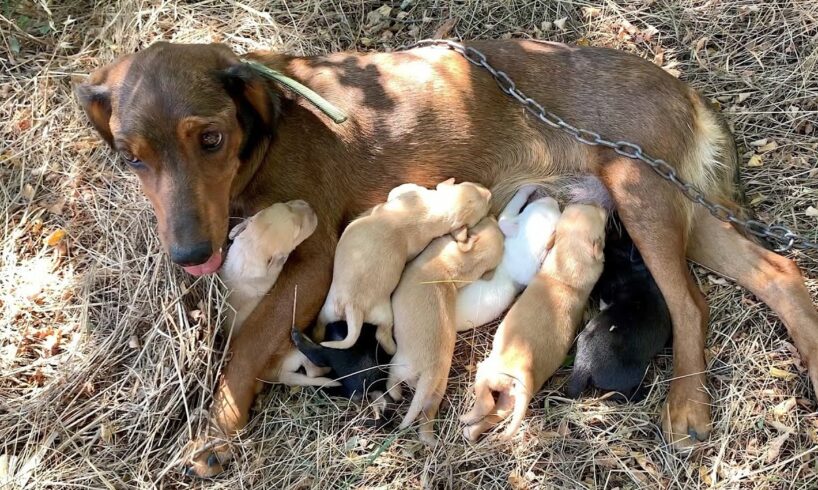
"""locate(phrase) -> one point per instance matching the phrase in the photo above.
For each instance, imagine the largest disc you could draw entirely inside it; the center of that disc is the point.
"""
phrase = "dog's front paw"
(686, 415)
(209, 458)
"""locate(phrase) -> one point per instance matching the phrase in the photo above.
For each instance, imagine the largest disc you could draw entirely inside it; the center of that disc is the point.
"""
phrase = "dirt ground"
(108, 354)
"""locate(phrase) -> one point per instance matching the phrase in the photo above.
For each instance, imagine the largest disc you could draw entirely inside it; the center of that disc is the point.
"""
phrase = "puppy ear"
(461, 234)
(468, 245)
(510, 227)
(236, 230)
(277, 261)
(94, 96)
(599, 250)
(446, 183)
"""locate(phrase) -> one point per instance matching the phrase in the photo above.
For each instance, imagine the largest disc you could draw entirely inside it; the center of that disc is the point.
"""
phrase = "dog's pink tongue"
(209, 267)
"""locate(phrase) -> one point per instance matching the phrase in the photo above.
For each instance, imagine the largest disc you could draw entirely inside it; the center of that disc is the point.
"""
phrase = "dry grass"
(108, 354)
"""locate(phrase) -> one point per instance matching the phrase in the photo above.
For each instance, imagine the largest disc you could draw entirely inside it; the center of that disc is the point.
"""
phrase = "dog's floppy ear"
(95, 97)
(236, 230)
(468, 244)
(256, 101)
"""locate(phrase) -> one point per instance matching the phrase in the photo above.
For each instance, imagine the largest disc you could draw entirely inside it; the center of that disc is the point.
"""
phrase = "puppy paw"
(209, 458)
(686, 415)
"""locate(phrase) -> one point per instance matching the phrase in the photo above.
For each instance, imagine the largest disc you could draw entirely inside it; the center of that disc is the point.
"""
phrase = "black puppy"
(362, 369)
(633, 325)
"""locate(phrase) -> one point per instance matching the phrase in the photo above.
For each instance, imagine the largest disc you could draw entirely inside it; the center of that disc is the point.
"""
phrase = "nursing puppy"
(527, 234)
(261, 245)
(633, 325)
(424, 304)
(374, 249)
(531, 341)
(361, 369)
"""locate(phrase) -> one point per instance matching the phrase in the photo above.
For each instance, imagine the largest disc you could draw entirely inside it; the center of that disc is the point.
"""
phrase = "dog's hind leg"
(657, 218)
(775, 280)
(426, 401)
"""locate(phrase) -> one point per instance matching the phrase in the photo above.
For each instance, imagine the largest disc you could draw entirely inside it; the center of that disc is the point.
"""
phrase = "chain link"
(782, 236)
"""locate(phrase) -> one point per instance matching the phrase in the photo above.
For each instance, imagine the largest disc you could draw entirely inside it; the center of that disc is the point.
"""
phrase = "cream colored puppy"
(261, 245)
(375, 247)
(536, 334)
(424, 306)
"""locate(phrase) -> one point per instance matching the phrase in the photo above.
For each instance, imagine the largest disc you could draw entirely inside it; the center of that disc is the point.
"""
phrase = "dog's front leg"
(261, 345)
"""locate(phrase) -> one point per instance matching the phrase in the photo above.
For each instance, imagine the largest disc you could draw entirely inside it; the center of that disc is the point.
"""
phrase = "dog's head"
(188, 119)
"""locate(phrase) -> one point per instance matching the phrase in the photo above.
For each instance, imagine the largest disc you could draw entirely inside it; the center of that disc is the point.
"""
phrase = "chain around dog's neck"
(322, 104)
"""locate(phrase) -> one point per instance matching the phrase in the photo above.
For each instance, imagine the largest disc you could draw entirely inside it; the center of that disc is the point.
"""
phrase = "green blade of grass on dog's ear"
(334, 113)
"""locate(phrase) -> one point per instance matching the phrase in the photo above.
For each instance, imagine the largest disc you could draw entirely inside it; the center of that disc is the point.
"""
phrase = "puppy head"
(275, 231)
(189, 120)
(467, 202)
(579, 243)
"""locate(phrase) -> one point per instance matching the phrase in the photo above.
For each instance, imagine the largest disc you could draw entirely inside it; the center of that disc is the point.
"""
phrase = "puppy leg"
(355, 322)
(393, 382)
(298, 379)
(425, 402)
(774, 279)
(264, 339)
(656, 218)
(382, 317)
(523, 391)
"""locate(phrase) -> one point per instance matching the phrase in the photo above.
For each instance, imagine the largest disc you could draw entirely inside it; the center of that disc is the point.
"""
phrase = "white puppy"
(375, 247)
(528, 235)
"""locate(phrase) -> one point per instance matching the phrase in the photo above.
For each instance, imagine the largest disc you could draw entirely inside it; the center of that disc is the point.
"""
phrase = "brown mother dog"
(209, 138)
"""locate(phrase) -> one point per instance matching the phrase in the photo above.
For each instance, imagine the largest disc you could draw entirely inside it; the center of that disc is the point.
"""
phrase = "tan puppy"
(531, 342)
(374, 249)
(424, 306)
(261, 245)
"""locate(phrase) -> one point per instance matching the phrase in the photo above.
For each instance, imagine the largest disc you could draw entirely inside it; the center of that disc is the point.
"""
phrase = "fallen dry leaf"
(812, 212)
(445, 29)
(28, 192)
(755, 161)
(784, 407)
(563, 429)
(774, 450)
(781, 374)
(772, 145)
(560, 23)
(704, 475)
(54, 237)
(744, 96)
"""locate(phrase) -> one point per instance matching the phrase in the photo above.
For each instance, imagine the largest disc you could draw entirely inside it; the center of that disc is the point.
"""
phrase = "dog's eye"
(211, 140)
(130, 159)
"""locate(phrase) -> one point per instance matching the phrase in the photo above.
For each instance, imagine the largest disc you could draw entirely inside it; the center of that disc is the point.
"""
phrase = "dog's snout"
(193, 254)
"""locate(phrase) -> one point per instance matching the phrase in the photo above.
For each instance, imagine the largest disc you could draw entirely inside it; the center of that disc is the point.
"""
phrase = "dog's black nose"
(194, 254)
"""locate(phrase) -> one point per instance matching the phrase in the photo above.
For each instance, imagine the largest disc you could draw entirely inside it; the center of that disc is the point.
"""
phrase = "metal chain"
(781, 235)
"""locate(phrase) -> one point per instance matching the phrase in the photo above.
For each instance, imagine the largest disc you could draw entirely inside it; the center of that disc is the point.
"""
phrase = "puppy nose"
(194, 254)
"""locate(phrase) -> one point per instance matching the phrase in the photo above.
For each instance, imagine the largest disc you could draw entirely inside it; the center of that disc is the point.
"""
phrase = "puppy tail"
(577, 382)
(355, 322)
(589, 190)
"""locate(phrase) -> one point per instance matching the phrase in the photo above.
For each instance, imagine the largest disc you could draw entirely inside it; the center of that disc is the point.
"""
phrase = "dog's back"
(614, 349)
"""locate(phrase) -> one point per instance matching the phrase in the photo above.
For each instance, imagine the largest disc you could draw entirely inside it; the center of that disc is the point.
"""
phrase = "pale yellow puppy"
(536, 334)
(424, 306)
(375, 247)
(261, 245)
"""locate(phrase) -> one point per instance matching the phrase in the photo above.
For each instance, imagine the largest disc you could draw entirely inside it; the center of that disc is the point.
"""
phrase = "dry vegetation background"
(108, 354)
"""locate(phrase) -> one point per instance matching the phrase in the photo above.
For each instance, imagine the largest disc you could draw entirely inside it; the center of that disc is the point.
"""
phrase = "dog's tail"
(578, 381)
(425, 399)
